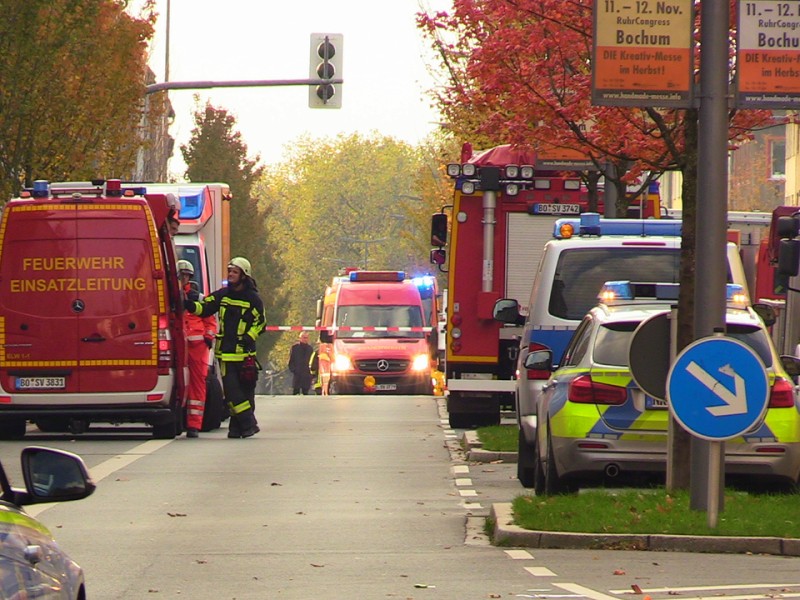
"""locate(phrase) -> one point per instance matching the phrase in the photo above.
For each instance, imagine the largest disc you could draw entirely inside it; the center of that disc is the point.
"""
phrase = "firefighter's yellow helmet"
(241, 263)
(185, 265)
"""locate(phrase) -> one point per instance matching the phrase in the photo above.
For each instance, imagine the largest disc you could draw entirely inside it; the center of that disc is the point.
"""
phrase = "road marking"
(463, 481)
(703, 588)
(460, 469)
(540, 572)
(106, 468)
(519, 554)
(472, 505)
(466, 493)
(584, 591)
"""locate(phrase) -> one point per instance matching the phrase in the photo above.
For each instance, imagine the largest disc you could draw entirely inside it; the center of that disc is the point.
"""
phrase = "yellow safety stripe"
(11, 517)
(239, 408)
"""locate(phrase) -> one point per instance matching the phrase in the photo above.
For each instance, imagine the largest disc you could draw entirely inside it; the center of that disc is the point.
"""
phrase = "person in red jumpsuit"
(200, 335)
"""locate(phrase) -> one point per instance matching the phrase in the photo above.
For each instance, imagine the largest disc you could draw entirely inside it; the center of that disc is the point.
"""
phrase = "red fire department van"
(375, 339)
(90, 311)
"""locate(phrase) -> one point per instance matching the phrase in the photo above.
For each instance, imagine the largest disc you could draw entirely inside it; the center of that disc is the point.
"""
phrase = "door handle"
(95, 337)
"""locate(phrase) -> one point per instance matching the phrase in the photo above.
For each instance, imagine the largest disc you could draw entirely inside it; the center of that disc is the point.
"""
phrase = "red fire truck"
(504, 208)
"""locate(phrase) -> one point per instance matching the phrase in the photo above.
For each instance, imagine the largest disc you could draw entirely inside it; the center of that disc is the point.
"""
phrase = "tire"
(52, 425)
(214, 412)
(553, 483)
(12, 428)
(332, 391)
(526, 461)
(170, 428)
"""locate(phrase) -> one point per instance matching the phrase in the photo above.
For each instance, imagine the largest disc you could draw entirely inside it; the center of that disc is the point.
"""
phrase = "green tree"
(350, 201)
(216, 152)
(72, 80)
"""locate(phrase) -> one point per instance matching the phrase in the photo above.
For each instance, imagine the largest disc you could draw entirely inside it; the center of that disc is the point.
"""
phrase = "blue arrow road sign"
(718, 388)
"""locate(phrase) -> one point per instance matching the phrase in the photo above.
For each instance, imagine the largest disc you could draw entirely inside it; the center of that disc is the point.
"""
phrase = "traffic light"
(325, 63)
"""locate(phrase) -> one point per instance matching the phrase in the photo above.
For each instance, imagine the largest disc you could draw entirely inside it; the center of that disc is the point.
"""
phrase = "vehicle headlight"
(342, 362)
(421, 363)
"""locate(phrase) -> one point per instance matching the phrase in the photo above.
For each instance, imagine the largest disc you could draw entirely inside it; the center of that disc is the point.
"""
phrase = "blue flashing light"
(735, 296)
(615, 290)
(41, 188)
(592, 224)
(191, 205)
(425, 281)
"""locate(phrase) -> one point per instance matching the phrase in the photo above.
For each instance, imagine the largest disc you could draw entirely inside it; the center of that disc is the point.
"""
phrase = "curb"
(476, 453)
(506, 533)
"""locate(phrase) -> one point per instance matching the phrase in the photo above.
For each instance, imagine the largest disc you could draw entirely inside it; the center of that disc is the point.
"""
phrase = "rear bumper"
(575, 457)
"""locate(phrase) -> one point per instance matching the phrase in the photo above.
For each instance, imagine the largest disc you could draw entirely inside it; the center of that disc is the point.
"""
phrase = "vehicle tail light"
(585, 391)
(164, 346)
(456, 320)
(537, 374)
(782, 394)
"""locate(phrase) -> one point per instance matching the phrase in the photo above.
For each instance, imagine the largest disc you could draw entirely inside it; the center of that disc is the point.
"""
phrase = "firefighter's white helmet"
(185, 265)
(241, 263)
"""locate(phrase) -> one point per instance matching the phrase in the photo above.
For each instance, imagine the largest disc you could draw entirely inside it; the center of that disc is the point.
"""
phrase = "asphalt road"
(341, 497)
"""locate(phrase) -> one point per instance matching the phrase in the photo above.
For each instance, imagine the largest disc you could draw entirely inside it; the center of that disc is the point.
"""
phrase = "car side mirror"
(325, 336)
(788, 257)
(438, 230)
(540, 360)
(54, 475)
(438, 256)
(766, 312)
(506, 310)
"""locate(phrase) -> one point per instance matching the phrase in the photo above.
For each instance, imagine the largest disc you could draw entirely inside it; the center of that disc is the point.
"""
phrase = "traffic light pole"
(707, 464)
(202, 85)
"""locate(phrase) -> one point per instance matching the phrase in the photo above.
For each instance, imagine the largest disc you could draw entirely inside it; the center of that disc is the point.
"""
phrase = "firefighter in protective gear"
(200, 333)
(241, 321)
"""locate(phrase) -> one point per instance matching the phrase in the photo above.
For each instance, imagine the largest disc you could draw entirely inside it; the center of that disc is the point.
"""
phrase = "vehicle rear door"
(120, 297)
(39, 323)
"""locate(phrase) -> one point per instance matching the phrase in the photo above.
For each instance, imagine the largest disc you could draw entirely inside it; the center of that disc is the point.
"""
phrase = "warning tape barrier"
(343, 328)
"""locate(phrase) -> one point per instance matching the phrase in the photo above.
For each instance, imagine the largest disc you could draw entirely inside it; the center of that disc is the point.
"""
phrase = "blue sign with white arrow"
(718, 388)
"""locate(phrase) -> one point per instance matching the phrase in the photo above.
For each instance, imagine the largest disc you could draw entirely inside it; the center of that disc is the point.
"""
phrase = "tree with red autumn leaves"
(520, 72)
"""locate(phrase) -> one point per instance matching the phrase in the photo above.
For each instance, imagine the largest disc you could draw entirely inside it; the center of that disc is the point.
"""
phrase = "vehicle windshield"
(379, 316)
(581, 272)
(192, 254)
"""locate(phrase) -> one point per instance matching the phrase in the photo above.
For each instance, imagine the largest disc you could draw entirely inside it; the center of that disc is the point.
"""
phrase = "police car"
(596, 423)
(32, 565)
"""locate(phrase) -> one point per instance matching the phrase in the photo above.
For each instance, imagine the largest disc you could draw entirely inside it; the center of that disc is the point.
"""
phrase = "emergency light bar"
(593, 224)
(377, 276)
(614, 292)
(98, 187)
(617, 291)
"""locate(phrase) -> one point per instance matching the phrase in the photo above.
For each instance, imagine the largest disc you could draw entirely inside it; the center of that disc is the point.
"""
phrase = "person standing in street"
(241, 321)
(200, 334)
(300, 365)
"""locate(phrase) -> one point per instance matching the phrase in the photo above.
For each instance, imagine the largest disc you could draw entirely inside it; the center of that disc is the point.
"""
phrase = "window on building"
(777, 156)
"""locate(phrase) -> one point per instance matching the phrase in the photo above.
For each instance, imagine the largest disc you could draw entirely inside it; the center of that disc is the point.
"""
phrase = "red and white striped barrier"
(343, 328)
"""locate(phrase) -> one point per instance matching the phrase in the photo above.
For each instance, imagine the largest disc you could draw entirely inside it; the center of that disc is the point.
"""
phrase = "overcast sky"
(384, 57)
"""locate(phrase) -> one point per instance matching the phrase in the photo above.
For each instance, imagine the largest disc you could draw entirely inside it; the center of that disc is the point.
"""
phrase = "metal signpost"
(717, 389)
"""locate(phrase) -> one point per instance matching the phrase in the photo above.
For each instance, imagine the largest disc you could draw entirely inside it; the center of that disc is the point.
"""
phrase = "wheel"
(553, 484)
(332, 388)
(12, 428)
(170, 428)
(526, 461)
(214, 412)
(52, 425)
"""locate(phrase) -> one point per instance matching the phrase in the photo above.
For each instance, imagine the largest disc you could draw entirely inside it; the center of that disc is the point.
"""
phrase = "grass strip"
(654, 511)
(498, 438)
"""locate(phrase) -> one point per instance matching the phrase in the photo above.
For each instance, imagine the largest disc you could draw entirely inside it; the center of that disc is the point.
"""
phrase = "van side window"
(581, 272)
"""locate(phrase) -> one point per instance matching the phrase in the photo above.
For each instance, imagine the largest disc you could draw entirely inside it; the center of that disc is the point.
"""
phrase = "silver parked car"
(32, 565)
